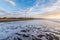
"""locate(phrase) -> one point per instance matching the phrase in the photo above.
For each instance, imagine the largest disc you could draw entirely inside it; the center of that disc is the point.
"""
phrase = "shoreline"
(14, 19)
(19, 19)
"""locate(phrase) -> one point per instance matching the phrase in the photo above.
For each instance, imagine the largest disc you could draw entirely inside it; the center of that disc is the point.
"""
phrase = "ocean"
(30, 30)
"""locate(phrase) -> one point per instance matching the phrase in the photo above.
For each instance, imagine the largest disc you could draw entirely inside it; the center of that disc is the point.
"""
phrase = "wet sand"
(30, 30)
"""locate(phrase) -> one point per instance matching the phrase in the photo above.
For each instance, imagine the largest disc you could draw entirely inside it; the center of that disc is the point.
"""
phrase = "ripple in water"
(26, 30)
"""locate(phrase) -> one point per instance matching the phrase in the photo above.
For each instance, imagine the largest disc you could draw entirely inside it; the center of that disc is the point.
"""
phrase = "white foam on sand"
(30, 30)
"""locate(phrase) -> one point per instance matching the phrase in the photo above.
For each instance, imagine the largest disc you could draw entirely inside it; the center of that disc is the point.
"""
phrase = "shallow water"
(30, 30)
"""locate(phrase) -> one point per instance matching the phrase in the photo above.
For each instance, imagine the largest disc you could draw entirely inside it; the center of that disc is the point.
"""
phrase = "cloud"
(36, 10)
(45, 8)
(52, 7)
(11, 2)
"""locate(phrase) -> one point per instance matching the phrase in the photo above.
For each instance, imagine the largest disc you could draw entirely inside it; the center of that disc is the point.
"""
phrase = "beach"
(30, 30)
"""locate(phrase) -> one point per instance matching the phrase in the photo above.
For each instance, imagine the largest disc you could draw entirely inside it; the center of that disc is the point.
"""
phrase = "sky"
(27, 8)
